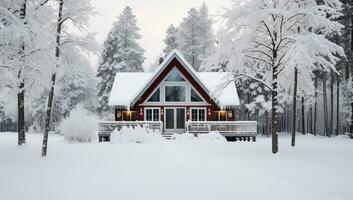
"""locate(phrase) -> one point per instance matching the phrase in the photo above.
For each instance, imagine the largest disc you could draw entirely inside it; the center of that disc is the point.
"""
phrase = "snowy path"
(318, 168)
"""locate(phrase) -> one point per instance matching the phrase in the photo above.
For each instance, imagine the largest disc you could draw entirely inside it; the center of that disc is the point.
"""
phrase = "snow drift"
(138, 134)
(213, 136)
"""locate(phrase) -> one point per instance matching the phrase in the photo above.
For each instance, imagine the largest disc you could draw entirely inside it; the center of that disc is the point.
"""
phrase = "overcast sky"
(153, 18)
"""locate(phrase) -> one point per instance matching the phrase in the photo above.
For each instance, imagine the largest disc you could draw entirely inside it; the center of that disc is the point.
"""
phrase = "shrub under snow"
(80, 126)
(135, 135)
(213, 136)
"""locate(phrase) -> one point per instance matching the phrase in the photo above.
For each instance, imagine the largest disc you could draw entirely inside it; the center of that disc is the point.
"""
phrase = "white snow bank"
(213, 136)
(183, 137)
(127, 135)
(80, 126)
(316, 169)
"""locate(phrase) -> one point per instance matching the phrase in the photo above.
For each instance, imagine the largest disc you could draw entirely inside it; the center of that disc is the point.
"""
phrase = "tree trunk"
(351, 119)
(303, 116)
(267, 124)
(53, 78)
(21, 111)
(310, 122)
(21, 93)
(338, 106)
(315, 106)
(351, 51)
(331, 103)
(294, 109)
(325, 105)
(274, 113)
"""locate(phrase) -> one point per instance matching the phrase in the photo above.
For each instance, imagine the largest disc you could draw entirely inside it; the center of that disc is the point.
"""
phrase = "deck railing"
(233, 129)
(106, 127)
(226, 128)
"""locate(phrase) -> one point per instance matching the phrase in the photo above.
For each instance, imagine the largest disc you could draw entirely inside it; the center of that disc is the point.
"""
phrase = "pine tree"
(207, 39)
(195, 36)
(121, 53)
(170, 40)
(188, 40)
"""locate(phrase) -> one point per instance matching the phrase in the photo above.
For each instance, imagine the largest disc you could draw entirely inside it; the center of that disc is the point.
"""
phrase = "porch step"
(167, 135)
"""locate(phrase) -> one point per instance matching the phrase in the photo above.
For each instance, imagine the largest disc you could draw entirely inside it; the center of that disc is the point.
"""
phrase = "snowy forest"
(285, 133)
(291, 59)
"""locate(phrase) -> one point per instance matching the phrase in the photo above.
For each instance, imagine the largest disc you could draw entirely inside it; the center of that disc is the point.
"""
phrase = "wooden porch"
(105, 128)
(232, 130)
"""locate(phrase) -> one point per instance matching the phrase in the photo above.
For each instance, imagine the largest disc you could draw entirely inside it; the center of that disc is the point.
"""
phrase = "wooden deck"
(232, 130)
(107, 127)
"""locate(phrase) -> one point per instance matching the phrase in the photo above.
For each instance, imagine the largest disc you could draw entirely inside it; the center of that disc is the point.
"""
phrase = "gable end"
(162, 75)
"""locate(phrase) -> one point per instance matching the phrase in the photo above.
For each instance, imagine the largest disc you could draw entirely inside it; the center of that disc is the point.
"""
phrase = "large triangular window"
(175, 75)
(155, 96)
(195, 97)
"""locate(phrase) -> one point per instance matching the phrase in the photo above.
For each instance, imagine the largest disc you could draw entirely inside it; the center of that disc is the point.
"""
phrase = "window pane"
(201, 115)
(174, 93)
(180, 118)
(148, 114)
(195, 97)
(194, 115)
(155, 115)
(155, 97)
(175, 75)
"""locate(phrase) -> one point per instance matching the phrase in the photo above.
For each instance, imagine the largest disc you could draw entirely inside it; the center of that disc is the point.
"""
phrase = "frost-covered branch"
(238, 75)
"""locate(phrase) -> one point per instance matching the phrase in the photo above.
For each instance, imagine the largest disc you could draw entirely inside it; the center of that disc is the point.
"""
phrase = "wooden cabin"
(176, 97)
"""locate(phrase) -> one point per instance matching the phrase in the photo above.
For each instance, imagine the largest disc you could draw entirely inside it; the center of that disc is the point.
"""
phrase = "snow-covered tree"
(76, 85)
(346, 65)
(207, 38)
(171, 39)
(195, 37)
(121, 53)
(25, 43)
(261, 40)
(74, 14)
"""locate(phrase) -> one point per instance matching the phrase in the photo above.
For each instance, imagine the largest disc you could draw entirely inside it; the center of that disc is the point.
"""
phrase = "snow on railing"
(106, 127)
(226, 128)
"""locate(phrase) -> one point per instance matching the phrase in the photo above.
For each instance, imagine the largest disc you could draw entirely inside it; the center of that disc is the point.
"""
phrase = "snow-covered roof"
(125, 87)
(128, 86)
(222, 90)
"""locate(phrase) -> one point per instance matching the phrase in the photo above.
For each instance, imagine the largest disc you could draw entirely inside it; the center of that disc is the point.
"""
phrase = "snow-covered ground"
(317, 169)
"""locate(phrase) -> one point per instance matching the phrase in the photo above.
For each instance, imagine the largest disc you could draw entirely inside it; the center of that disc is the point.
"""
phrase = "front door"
(174, 121)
